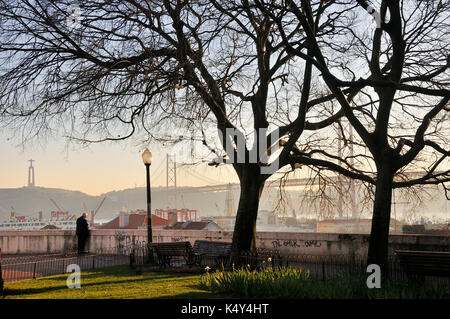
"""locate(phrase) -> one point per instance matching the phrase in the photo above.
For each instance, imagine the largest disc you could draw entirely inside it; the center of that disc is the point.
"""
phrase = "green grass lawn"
(122, 282)
(113, 282)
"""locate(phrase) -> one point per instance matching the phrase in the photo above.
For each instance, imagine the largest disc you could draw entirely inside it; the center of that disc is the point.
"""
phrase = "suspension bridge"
(218, 186)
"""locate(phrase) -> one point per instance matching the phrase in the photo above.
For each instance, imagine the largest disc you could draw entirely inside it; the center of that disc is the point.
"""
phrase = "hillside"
(28, 201)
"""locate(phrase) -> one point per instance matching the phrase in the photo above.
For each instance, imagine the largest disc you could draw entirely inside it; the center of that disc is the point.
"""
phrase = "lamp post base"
(150, 258)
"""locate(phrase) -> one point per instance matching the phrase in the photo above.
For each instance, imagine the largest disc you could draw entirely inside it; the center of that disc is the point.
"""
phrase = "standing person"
(82, 232)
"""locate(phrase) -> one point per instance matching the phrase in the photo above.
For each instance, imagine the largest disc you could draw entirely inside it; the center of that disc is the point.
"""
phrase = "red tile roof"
(190, 225)
(157, 221)
(136, 221)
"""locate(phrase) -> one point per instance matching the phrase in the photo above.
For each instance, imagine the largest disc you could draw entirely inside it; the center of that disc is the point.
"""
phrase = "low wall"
(55, 241)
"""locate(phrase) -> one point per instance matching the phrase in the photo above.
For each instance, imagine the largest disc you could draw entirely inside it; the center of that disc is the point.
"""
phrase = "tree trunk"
(244, 235)
(379, 236)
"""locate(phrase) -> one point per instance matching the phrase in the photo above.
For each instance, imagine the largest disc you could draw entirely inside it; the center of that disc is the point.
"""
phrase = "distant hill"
(29, 201)
(211, 203)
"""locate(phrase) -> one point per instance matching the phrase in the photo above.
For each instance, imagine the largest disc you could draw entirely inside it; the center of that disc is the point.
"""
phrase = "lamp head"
(147, 157)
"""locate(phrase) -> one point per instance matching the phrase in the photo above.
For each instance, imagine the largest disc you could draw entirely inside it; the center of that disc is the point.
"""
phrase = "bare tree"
(125, 67)
(391, 82)
(108, 70)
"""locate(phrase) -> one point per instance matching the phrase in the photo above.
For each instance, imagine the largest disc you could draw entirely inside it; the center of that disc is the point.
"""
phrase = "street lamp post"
(147, 159)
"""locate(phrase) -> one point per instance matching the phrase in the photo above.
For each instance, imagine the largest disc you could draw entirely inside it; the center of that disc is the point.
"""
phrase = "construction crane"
(93, 213)
(59, 210)
(56, 205)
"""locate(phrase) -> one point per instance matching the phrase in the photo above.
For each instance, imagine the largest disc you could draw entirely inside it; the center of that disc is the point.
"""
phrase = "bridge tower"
(171, 181)
(229, 201)
(171, 171)
(345, 136)
(31, 174)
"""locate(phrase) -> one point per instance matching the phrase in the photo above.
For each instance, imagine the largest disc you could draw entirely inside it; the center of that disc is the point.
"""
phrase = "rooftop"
(136, 221)
(191, 225)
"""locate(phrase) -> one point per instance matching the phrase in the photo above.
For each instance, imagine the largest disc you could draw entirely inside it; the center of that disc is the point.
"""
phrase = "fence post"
(34, 270)
(323, 270)
(93, 262)
(131, 259)
(1, 277)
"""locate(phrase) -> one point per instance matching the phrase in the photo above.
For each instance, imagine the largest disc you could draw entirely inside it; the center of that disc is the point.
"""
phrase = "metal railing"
(318, 266)
(21, 267)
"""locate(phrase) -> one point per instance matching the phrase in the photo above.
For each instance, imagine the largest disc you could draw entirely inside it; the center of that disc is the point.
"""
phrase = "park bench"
(166, 251)
(424, 263)
(218, 251)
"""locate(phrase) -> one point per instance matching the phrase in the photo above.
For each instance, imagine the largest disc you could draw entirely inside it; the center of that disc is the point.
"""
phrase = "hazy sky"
(98, 169)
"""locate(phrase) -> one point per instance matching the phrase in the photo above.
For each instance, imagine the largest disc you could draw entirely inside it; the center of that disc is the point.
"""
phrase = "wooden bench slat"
(213, 249)
(426, 263)
(192, 254)
(165, 252)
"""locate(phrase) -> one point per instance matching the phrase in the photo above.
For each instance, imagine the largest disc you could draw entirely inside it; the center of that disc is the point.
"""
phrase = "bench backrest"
(212, 247)
(430, 263)
(182, 248)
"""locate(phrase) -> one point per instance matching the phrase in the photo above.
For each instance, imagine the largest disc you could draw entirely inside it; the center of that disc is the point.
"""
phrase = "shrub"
(298, 284)
(265, 283)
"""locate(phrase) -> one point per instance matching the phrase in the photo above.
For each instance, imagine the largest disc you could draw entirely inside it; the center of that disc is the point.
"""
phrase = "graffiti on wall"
(125, 241)
(291, 243)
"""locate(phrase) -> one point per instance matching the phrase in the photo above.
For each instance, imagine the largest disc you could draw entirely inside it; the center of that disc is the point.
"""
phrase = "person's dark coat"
(82, 227)
(82, 232)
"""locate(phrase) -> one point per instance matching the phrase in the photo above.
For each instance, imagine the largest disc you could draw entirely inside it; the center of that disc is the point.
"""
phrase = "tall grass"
(297, 283)
(244, 282)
